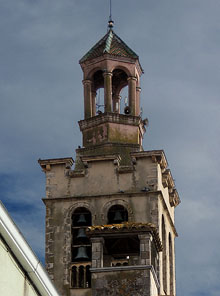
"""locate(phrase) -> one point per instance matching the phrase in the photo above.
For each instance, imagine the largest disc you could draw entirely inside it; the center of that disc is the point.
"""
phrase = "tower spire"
(110, 22)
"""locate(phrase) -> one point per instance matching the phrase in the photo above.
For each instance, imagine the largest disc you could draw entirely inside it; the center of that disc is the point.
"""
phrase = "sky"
(41, 101)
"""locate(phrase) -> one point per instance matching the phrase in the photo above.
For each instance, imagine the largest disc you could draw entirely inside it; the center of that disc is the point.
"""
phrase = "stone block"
(145, 255)
(96, 255)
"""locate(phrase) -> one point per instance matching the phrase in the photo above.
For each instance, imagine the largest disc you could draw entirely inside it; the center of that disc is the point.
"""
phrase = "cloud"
(41, 100)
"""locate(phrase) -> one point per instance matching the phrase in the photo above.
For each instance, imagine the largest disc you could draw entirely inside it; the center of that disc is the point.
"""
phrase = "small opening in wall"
(117, 214)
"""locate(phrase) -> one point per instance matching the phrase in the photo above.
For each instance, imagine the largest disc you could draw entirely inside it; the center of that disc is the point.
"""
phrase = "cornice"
(47, 163)
(157, 156)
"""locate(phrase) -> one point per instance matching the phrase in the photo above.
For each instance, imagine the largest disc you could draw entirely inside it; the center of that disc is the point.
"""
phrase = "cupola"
(110, 65)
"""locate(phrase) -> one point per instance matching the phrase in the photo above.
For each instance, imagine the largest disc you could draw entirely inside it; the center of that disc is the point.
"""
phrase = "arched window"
(74, 283)
(98, 90)
(88, 277)
(171, 264)
(81, 248)
(117, 214)
(81, 276)
(164, 266)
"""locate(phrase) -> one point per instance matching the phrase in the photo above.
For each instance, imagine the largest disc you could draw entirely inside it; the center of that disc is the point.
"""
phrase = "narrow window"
(74, 277)
(171, 264)
(81, 277)
(164, 256)
(88, 277)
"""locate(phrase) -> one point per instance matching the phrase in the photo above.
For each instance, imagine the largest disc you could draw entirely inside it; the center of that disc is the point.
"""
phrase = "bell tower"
(110, 213)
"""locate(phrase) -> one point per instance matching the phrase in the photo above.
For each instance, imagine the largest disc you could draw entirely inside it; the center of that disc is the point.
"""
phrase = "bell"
(118, 217)
(127, 110)
(81, 233)
(81, 219)
(81, 254)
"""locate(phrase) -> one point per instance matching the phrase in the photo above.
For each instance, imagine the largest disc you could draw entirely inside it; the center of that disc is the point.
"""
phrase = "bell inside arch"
(81, 234)
(82, 219)
(118, 217)
(81, 254)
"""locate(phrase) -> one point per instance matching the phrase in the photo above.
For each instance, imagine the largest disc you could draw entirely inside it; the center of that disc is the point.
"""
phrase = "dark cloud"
(41, 100)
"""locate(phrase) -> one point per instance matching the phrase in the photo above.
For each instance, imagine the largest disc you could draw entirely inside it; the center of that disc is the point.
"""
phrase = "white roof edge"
(25, 255)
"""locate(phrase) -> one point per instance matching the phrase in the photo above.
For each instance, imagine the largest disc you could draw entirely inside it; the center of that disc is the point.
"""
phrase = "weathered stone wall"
(101, 184)
(103, 176)
(58, 225)
(123, 282)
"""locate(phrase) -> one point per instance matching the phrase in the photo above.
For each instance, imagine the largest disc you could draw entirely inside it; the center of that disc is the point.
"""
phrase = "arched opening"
(171, 264)
(81, 217)
(99, 101)
(74, 277)
(164, 264)
(81, 276)
(119, 90)
(117, 214)
(124, 99)
(98, 93)
(88, 277)
(81, 248)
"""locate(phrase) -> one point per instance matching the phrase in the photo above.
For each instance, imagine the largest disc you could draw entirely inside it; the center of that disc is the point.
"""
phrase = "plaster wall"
(168, 230)
(102, 177)
(12, 278)
(102, 184)
(154, 289)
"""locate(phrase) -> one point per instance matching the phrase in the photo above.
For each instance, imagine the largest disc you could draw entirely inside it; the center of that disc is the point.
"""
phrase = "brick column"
(108, 91)
(132, 81)
(87, 98)
(97, 252)
(145, 248)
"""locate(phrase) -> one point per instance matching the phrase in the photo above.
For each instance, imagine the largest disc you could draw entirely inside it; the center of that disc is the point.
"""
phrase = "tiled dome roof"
(112, 45)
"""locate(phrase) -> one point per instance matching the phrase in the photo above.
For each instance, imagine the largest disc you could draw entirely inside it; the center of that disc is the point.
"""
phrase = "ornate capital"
(87, 81)
(106, 73)
(132, 78)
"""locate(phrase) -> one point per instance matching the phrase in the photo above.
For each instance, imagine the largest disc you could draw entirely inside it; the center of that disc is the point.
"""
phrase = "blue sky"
(41, 100)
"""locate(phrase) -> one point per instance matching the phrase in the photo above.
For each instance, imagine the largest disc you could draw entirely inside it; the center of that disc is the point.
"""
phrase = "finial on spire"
(110, 22)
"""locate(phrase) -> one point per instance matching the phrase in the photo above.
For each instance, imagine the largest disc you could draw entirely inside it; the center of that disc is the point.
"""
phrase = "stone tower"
(110, 216)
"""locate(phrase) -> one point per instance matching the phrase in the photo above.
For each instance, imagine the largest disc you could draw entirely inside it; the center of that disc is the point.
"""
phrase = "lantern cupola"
(110, 66)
